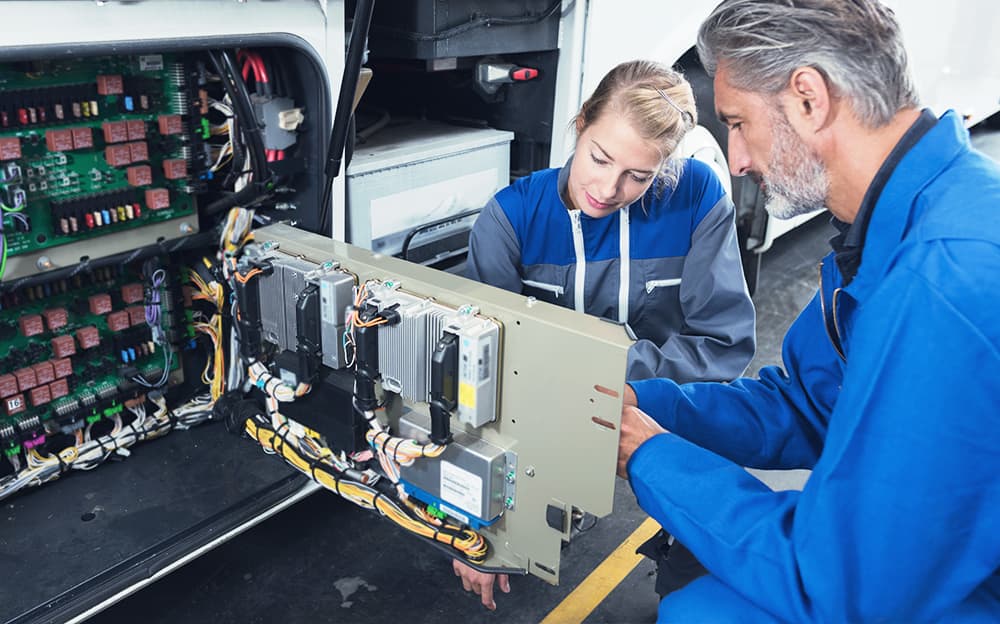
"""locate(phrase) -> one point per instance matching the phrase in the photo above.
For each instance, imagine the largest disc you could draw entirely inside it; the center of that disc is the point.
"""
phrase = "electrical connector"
(290, 119)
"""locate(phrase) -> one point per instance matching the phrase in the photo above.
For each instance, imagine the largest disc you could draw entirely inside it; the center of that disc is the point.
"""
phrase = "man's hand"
(629, 398)
(481, 582)
(637, 427)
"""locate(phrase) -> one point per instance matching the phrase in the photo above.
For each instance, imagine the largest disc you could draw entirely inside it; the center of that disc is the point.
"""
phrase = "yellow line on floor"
(605, 577)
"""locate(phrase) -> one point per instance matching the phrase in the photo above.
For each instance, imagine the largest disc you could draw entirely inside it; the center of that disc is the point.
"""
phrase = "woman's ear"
(578, 122)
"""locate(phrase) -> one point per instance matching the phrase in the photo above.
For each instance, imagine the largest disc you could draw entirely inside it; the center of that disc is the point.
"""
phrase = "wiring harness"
(92, 449)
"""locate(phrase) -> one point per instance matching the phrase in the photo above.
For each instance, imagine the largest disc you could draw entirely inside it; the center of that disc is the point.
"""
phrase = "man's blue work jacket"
(900, 424)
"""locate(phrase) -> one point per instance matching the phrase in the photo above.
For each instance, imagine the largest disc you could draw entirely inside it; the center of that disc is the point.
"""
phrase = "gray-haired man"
(889, 392)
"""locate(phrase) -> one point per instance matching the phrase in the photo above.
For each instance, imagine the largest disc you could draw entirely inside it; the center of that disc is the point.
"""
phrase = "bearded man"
(890, 384)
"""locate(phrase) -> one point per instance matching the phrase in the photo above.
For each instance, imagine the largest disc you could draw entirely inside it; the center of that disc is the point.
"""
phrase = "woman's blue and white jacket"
(686, 299)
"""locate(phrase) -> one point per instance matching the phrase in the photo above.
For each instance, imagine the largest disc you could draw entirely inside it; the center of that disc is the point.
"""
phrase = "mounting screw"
(44, 263)
(186, 228)
(530, 471)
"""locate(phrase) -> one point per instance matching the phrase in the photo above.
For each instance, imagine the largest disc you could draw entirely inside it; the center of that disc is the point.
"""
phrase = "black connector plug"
(390, 314)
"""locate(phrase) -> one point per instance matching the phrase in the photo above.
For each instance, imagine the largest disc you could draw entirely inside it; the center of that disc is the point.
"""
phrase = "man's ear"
(807, 100)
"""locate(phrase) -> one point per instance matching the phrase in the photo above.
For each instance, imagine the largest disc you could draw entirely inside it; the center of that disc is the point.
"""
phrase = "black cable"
(481, 21)
(405, 249)
(232, 82)
(345, 102)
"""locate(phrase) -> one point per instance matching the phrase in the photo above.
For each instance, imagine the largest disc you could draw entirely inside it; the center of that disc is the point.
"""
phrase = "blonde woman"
(626, 232)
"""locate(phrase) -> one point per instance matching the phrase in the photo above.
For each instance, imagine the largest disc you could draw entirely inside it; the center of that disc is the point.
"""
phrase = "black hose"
(345, 102)
(405, 249)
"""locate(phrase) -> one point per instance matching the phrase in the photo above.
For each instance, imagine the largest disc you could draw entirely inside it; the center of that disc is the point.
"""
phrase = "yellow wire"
(468, 542)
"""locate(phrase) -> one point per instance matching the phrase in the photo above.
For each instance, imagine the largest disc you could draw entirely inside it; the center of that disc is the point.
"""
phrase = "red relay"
(44, 372)
(10, 148)
(118, 155)
(55, 318)
(118, 321)
(59, 140)
(115, 131)
(140, 175)
(132, 293)
(136, 315)
(175, 168)
(63, 346)
(26, 378)
(14, 405)
(136, 129)
(170, 124)
(40, 395)
(110, 85)
(100, 303)
(139, 151)
(31, 325)
(88, 337)
(83, 137)
(63, 367)
(59, 388)
(157, 199)
(8, 386)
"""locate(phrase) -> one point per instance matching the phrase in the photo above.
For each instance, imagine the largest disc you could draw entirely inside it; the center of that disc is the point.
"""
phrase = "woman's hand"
(481, 582)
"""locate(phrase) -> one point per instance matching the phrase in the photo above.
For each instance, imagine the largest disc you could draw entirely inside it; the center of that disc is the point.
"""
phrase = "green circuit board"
(98, 378)
(83, 146)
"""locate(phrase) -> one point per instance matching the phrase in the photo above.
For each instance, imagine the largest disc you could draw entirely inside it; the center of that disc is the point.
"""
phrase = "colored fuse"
(4, 119)
(106, 215)
(124, 356)
(22, 116)
(98, 218)
(129, 211)
(129, 103)
(32, 115)
(121, 213)
(89, 218)
(131, 353)
(59, 111)
(137, 210)
(93, 108)
(77, 110)
(85, 109)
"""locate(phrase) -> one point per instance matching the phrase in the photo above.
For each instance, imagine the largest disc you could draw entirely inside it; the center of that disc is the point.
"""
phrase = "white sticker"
(327, 313)
(151, 62)
(462, 488)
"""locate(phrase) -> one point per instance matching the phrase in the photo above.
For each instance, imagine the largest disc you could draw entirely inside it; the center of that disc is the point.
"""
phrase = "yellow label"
(310, 433)
(467, 395)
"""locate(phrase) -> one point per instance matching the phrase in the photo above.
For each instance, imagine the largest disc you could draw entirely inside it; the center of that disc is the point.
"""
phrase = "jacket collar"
(893, 213)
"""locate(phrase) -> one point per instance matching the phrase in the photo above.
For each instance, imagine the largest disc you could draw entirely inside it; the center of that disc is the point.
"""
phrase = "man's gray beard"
(798, 182)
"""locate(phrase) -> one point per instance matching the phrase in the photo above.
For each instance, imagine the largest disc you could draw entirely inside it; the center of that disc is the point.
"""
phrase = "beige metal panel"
(552, 361)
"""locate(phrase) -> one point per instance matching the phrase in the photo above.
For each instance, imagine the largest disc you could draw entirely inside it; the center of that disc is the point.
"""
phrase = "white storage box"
(409, 175)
